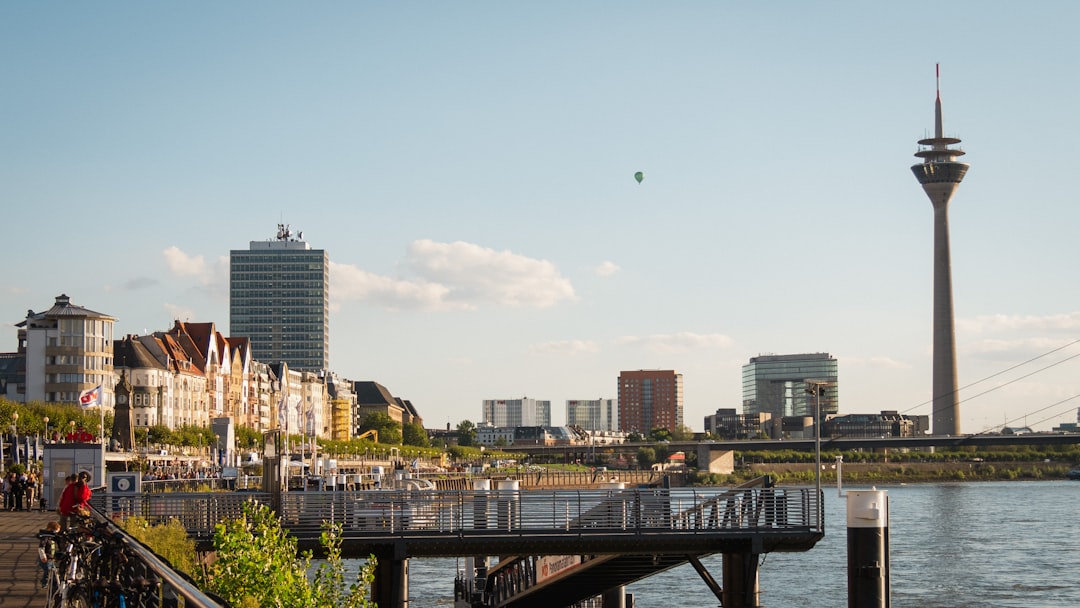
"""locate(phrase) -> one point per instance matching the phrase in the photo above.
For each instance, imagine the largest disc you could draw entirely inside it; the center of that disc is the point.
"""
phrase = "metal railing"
(404, 513)
(172, 583)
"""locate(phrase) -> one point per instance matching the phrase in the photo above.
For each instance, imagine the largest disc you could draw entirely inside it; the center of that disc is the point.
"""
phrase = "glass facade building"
(279, 298)
(777, 384)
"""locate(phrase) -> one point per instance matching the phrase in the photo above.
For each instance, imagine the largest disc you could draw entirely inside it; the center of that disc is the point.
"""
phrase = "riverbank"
(905, 472)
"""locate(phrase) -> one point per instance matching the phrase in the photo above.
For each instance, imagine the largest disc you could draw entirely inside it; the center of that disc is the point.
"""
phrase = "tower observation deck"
(940, 174)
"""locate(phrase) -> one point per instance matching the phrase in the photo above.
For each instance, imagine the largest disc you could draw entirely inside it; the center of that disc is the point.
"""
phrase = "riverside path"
(19, 571)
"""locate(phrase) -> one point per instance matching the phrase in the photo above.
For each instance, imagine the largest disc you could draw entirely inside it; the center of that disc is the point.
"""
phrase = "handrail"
(179, 582)
(433, 513)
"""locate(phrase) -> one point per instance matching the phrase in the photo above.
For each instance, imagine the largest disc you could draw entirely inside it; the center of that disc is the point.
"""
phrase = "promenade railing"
(411, 513)
(135, 570)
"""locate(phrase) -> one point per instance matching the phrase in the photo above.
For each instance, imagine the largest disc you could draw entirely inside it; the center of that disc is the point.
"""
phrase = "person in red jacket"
(74, 499)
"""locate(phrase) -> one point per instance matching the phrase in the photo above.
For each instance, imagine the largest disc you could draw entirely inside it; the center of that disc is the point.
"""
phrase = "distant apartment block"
(650, 399)
(68, 349)
(279, 297)
(726, 423)
(516, 412)
(777, 385)
(527, 435)
(593, 414)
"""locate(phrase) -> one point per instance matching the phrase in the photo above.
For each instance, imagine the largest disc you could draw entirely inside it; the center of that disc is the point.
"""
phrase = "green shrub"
(257, 564)
(170, 541)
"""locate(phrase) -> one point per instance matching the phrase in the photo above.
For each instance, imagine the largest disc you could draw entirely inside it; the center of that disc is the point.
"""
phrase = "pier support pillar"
(868, 549)
(740, 586)
(390, 589)
(614, 598)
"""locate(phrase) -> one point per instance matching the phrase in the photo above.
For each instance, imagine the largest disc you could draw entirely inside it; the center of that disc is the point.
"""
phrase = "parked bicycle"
(95, 568)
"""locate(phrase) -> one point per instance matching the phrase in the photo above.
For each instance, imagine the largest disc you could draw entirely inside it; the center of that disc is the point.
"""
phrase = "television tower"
(940, 174)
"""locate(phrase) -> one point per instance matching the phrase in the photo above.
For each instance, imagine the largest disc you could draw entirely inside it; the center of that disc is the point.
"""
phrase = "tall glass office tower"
(778, 384)
(279, 298)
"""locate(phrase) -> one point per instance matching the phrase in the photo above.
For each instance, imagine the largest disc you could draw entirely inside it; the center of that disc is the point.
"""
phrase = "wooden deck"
(19, 572)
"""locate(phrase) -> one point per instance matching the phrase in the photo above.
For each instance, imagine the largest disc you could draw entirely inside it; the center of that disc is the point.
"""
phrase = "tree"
(413, 433)
(248, 438)
(389, 430)
(466, 433)
(159, 434)
(682, 433)
(634, 437)
(646, 457)
(659, 434)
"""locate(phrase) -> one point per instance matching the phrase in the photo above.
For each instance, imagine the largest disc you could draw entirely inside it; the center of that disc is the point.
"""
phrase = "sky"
(469, 167)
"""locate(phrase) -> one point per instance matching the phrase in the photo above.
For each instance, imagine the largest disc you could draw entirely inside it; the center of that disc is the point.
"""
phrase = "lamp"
(815, 388)
(46, 421)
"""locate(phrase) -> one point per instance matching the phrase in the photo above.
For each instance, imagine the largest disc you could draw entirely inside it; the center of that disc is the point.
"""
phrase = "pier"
(617, 535)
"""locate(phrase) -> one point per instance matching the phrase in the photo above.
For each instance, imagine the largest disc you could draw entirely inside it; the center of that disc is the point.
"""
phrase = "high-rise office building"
(784, 385)
(650, 399)
(940, 175)
(517, 412)
(279, 298)
(593, 414)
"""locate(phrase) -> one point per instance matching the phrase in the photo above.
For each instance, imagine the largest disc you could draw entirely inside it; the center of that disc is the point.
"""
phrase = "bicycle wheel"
(77, 597)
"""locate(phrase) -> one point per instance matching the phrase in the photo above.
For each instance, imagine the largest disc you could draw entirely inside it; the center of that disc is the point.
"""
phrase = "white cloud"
(606, 269)
(349, 283)
(1002, 323)
(213, 276)
(476, 274)
(455, 276)
(564, 347)
(678, 342)
(183, 264)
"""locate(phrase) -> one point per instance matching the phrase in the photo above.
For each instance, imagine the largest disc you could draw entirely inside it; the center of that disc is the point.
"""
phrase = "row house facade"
(186, 376)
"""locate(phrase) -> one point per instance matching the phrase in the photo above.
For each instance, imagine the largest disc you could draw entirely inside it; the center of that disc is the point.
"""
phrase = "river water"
(955, 545)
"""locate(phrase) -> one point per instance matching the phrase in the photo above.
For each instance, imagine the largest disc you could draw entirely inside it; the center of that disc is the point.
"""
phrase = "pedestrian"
(18, 488)
(7, 487)
(31, 491)
(47, 547)
(67, 502)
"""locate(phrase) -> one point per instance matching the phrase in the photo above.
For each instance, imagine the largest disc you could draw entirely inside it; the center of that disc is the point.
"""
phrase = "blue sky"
(469, 167)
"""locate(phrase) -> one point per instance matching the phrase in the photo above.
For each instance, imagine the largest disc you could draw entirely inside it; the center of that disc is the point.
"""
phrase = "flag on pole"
(90, 397)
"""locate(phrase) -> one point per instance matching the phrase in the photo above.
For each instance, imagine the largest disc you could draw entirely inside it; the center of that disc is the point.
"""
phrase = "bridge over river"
(611, 536)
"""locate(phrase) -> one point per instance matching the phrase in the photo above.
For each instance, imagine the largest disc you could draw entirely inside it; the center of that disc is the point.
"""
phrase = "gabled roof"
(369, 392)
(131, 353)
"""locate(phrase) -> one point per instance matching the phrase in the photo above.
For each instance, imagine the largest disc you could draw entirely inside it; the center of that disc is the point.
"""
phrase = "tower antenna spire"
(938, 130)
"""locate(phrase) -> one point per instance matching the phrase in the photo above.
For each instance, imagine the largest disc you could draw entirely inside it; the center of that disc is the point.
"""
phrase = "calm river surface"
(964, 545)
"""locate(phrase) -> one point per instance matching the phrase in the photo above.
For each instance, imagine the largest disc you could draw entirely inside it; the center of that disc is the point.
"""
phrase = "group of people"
(74, 503)
(20, 490)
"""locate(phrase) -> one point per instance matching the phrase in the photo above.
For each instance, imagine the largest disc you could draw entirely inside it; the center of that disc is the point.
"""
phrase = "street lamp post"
(72, 434)
(15, 437)
(815, 388)
(46, 420)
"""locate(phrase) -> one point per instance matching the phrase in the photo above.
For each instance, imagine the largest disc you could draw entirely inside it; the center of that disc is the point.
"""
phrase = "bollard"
(868, 549)
(481, 506)
(508, 492)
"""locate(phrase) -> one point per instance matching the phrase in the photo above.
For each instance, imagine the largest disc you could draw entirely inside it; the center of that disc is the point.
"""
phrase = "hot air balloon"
(639, 176)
